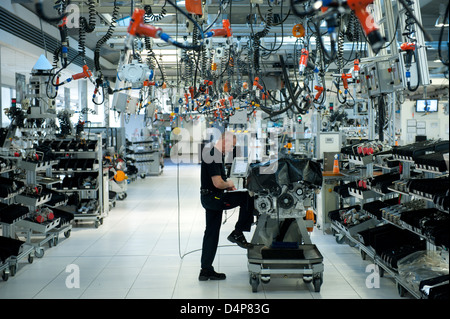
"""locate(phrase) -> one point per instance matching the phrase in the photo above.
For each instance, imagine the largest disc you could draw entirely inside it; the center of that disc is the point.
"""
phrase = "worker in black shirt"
(215, 199)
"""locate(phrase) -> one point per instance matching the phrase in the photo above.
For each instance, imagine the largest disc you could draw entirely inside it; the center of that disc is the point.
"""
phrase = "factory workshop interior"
(329, 125)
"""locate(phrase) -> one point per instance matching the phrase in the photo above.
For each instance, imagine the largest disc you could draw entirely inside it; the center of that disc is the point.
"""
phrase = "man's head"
(226, 142)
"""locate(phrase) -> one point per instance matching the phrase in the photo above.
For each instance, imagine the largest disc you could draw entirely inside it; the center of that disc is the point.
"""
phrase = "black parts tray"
(411, 152)
(432, 162)
(374, 208)
(10, 214)
(65, 217)
(8, 187)
(69, 164)
(305, 254)
(9, 247)
(71, 145)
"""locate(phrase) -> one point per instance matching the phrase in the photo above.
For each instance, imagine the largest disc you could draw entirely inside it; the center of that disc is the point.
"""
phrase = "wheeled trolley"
(149, 156)
(33, 233)
(291, 255)
(9, 248)
(11, 251)
(112, 197)
(120, 188)
(283, 202)
(304, 262)
(64, 226)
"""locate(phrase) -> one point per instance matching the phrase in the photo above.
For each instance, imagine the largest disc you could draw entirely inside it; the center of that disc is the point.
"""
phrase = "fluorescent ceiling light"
(440, 22)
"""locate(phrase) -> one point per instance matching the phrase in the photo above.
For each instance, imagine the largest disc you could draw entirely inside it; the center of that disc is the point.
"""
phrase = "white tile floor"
(136, 254)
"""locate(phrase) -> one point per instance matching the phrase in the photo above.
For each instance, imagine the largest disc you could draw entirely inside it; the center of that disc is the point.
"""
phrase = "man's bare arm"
(221, 184)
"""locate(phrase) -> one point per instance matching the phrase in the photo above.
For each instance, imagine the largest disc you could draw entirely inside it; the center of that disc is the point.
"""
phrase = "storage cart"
(81, 170)
(296, 258)
(148, 155)
(11, 251)
(281, 242)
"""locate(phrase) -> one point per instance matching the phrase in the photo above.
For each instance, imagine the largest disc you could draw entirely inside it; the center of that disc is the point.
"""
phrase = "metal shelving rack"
(367, 251)
(409, 166)
(147, 154)
(30, 229)
(89, 193)
(365, 166)
(9, 266)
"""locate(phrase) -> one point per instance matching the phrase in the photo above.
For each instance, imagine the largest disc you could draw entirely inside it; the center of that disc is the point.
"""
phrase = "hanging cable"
(92, 14)
(82, 39)
(410, 47)
(301, 14)
(43, 37)
(329, 57)
(43, 16)
(394, 37)
(340, 52)
(176, 43)
(62, 52)
(441, 33)
(106, 37)
(150, 17)
(427, 35)
(223, 5)
(270, 22)
(274, 24)
(256, 38)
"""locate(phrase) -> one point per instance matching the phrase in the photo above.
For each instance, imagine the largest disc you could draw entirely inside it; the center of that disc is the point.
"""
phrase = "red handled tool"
(194, 6)
(319, 90)
(224, 32)
(356, 68)
(409, 48)
(345, 77)
(138, 28)
(371, 29)
(303, 61)
(82, 75)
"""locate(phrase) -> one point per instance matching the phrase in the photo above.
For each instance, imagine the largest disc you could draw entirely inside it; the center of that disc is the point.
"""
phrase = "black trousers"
(214, 206)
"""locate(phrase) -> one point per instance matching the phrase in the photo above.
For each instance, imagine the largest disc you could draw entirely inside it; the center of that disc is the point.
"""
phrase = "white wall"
(436, 124)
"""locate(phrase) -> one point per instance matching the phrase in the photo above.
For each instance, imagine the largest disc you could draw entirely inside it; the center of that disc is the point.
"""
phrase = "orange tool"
(319, 90)
(345, 77)
(303, 61)
(194, 6)
(367, 22)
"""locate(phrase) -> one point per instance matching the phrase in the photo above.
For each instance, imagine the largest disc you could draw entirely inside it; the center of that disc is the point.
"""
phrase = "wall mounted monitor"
(423, 106)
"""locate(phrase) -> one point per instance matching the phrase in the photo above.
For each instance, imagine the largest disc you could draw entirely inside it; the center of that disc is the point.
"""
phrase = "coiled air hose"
(41, 14)
(106, 37)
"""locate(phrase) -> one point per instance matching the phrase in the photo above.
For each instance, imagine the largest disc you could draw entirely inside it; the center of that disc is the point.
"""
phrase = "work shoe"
(238, 238)
(210, 274)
